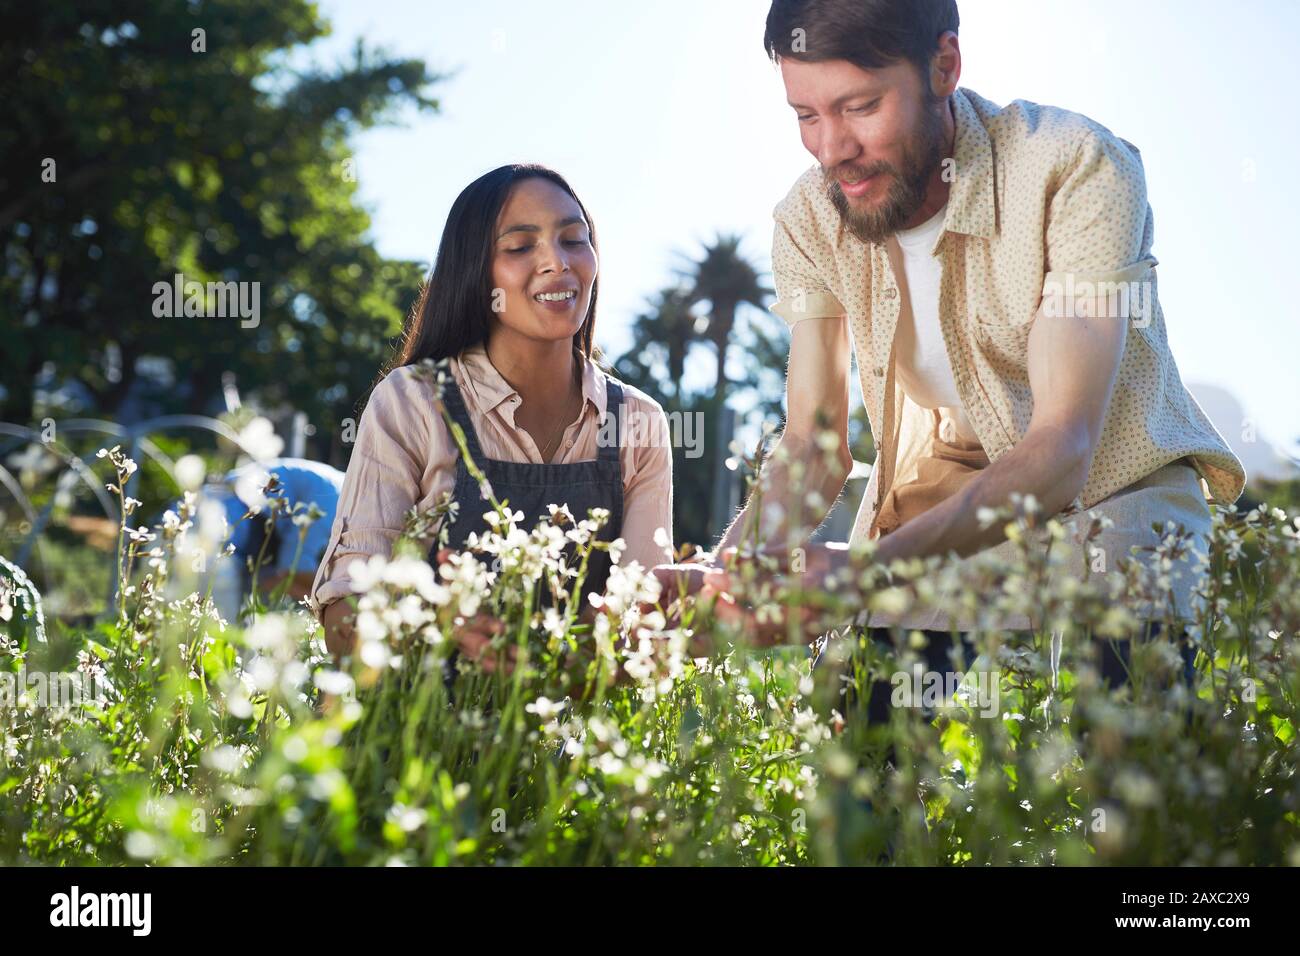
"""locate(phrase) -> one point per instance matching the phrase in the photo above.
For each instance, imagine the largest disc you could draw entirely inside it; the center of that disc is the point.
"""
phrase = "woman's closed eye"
(567, 242)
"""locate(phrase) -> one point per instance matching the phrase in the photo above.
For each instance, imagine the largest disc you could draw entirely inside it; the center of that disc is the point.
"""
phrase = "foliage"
(204, 155)
(648, 730)
(22, 616)
(704, 308)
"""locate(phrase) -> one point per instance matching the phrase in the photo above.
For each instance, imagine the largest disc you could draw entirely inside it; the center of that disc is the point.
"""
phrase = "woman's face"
(543, 263)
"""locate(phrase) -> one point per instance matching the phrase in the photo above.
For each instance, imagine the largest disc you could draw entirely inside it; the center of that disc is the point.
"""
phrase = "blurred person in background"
(293, 498)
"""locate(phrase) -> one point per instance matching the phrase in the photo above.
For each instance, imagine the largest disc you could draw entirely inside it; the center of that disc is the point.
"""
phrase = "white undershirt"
(924, 371)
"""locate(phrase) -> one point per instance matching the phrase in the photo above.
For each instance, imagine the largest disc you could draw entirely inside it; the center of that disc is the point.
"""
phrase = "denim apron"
(530, 487)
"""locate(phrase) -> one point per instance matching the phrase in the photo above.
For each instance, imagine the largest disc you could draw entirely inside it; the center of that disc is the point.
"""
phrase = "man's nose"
(836, 144)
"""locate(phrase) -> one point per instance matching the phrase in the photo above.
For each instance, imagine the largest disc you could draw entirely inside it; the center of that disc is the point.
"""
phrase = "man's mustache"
(851, 171)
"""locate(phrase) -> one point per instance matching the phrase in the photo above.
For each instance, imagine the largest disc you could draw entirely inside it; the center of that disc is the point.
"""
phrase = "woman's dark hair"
(454, 309)
(870, 34)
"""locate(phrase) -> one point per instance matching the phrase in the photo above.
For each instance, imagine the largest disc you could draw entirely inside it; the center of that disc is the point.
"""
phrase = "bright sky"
(672, 125)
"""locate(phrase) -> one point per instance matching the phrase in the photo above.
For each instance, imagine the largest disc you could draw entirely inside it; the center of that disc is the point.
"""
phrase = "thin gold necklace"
(556, 437)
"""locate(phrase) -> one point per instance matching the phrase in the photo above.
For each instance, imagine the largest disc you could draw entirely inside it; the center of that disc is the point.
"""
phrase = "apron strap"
(613, 405)
(455, 403)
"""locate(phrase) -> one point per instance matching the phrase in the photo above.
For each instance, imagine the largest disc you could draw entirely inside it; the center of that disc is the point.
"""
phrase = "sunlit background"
(672, 125)
(210, 139)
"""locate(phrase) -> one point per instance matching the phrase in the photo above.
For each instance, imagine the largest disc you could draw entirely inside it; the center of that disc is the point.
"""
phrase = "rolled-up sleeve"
(396, 463)
(801, 291)
(647, 482)
(1099, 226)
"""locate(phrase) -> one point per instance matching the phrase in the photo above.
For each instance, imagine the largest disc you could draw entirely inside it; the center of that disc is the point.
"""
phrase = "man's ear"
(945, 66)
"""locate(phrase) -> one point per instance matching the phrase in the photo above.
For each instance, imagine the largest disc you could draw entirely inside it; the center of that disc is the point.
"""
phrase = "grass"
(615, 741)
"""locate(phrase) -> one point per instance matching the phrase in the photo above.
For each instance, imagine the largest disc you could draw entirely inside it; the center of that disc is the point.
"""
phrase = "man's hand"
(765, 627)
(684, 578)
(733, 588)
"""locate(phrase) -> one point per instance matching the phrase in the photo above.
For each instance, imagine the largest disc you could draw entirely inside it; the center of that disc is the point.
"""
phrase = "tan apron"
(1172, 493)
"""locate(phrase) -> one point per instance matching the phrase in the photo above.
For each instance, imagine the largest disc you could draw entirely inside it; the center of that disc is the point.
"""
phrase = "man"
(993, 268)
(302, 484)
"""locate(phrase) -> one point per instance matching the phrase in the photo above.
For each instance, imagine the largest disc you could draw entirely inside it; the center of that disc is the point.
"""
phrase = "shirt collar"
(970, 200)
(490, 389)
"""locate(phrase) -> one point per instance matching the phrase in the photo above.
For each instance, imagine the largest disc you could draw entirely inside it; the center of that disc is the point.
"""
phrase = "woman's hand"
(340, 635)
(475, 637)
(796, 570)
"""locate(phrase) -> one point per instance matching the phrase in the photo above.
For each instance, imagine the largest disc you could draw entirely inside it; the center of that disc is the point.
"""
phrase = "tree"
(725, 280)
(145, 140)
(663, 337)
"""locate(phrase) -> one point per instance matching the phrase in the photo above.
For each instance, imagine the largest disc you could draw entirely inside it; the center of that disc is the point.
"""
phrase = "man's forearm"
(1051, 464)
(786, 515)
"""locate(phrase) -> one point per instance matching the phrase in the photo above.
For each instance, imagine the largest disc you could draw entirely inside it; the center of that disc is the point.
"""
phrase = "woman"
(512, 302)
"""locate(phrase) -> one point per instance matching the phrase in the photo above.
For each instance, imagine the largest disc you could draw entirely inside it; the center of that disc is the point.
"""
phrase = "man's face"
(877, 134)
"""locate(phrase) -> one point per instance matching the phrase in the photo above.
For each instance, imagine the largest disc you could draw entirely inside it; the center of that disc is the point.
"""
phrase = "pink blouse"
(405, 456)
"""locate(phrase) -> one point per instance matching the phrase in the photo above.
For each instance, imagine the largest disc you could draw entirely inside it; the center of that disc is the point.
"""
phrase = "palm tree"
(726, 280)
(666, 326)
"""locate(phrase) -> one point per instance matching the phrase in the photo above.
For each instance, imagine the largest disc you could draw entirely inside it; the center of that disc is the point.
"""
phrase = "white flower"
(189, 472)
(270, 633)
(545, 708)
(224, 759)
(626, 588)
(250, 488)
(407, 819)
(259, 441)
(333, 682)
(553, 622)
(375, 653)
(263, 673)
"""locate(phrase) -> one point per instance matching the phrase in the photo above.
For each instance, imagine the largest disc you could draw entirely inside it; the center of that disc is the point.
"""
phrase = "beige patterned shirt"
(1042, 200)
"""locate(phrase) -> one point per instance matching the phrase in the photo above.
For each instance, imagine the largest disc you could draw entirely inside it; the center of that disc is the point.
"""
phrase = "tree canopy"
(142, 141)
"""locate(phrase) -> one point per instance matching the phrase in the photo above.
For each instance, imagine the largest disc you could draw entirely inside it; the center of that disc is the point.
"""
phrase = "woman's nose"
(553, 259)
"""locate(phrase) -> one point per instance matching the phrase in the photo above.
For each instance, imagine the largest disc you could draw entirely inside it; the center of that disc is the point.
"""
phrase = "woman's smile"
(560, 300)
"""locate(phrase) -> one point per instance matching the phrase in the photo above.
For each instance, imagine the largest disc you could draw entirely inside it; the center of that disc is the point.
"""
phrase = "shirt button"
(879, 371)
(890, 292)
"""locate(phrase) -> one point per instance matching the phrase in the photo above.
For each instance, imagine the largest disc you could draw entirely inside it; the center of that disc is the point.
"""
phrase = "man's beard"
(907, 185)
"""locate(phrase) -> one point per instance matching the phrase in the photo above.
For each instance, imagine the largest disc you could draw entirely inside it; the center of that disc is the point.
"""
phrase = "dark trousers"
(1114, 672)
(1113, 664)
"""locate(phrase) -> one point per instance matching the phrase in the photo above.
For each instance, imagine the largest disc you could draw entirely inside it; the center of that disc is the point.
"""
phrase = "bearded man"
(991, 269)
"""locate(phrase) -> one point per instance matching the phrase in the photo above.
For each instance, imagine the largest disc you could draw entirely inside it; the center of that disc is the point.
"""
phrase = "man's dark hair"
(870, 34)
